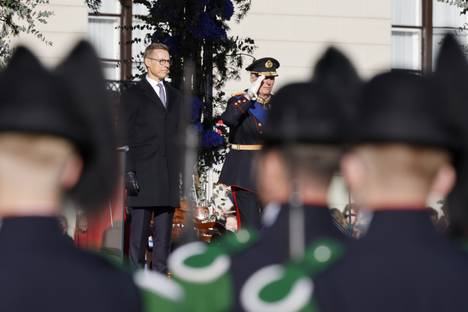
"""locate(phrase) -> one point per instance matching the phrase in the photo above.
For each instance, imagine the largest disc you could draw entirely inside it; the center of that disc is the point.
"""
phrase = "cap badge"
(269, 64)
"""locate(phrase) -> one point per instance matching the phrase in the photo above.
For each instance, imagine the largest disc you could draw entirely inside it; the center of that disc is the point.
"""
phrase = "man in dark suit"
(56, 142)
(152, 111)
(245, 115)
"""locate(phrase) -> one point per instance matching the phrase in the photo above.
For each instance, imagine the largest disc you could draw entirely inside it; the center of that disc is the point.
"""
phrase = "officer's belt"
(246, 147)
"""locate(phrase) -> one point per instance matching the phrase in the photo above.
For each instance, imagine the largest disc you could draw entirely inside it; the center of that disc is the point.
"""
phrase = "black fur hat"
(32, 99)
(69, 102)
(312, 112)
(402, 107)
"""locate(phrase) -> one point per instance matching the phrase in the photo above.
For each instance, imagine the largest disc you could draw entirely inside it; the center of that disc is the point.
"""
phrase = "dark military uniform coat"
(273, 245)
(41, 270)
(152, 132)
(245, 128)
(402, 264)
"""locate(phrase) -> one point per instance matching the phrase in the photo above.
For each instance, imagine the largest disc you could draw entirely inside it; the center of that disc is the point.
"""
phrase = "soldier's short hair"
(36, 152)
(403, 160)
(314, 161)
(155, 46)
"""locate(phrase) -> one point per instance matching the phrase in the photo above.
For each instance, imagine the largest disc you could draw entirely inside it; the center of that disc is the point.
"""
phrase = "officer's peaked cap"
(266, 66)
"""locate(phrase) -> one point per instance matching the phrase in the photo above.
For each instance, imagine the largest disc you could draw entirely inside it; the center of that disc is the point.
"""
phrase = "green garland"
(18, 17)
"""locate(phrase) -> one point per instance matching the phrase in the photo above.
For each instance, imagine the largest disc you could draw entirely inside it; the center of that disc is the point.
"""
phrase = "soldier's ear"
(443, 182)
(71, 171)
(353, 170)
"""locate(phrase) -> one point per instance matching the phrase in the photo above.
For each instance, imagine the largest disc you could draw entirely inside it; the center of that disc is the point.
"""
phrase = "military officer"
(245, 116)
(404, 147)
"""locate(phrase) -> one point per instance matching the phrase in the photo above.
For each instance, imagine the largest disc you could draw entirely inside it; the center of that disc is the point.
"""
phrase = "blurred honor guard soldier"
(301, 153)
(152, 108)
(56, 142)
(403, 149)
(245, 116)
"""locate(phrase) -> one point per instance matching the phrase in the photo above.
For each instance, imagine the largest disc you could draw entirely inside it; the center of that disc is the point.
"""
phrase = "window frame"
(425, 31)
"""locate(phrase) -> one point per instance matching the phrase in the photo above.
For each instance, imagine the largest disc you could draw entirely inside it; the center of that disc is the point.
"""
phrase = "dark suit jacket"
(41, 270)
(402, 264)
(152, 132)
(244, 129)
(273, 244)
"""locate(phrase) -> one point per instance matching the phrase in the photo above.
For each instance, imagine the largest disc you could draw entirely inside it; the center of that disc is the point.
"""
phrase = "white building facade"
(376, 34)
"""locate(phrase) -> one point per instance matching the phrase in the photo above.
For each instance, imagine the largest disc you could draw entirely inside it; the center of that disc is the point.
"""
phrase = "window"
(407, 34)
(417, 29)
(103, 32)
(108, 32)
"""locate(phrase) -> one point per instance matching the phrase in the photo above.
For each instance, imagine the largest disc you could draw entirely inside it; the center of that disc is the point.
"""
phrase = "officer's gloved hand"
(131, 184)
(253, 90)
